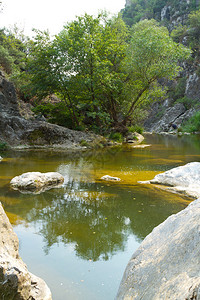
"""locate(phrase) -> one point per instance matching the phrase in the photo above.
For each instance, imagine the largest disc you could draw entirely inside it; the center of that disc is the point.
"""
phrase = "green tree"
(189, 34)
(6, 61)
(102, 72)
(82, 65)
(152, 55)
(13, 53)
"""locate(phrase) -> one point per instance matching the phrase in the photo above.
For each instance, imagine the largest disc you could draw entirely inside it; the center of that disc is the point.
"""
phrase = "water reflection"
(93, 218)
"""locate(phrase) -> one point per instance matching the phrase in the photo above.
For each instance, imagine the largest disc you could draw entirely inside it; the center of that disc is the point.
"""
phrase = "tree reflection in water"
(95, 217)
(87, 220)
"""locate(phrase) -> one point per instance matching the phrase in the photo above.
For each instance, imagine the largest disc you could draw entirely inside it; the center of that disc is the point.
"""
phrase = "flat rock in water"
(167, 263)
(185, 179)
(36, 181)
(141, 146)
(110, 178)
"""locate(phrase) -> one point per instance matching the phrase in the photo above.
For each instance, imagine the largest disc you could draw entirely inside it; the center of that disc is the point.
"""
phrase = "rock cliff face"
(171, 14)
(16, 282)
(163, 113)
(16, 130)
(167, 264)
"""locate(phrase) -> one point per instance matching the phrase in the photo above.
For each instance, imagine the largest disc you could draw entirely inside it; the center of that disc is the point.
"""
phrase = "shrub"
(55, 113)
(193, 124)
(136, 128)
(116, 136)
(3, 146)
(84, 143)
(6, 61)
(187, 102)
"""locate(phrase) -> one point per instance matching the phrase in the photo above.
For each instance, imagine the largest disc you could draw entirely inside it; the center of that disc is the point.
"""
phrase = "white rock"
(110, 178)
(141, 146)
(36, 181)
(1, 158)
(183, 179)
(167, 264)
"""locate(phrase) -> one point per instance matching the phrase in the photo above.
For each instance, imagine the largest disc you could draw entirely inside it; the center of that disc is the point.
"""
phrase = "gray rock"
(186, 116)
(165, 12)
(167, 264)
(134, 138)
(171, 115)
(36, 181)
(110, 178)
(193, 86)
(183, 179)
(16, 130)
(16, 282)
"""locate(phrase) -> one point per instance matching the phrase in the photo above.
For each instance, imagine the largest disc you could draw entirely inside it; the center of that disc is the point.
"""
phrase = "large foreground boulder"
(167, 264)
(36, 181)
(16, 282)
(184, 179)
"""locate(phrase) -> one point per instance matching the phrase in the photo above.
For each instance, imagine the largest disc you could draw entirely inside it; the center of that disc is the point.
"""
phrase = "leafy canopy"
(101, 70)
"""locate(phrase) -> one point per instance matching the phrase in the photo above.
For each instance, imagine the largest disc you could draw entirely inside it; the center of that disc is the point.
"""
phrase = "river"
(80, 237)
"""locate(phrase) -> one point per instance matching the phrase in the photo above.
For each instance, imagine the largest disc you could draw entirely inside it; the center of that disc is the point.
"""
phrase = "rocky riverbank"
(16, 282)
(166, 265)
(18, 130)
(183, 179)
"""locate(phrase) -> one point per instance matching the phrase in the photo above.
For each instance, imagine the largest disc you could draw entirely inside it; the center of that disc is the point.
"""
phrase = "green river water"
(80, 237)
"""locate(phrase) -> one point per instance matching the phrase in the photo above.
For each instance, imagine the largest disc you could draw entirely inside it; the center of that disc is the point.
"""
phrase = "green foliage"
(3, 146)
(193, 124)
(13, 54)
(6, 61)
(136, 128)
(84, 143)
(100, 71)
(177, 90)
(157, 58)
(14, 48)
(194, 29)
(189, 33)
(55, 113)
(143, 9)
(83, 66)
(103, 73)
(187, 102)
(179, 33)
(116, 137)
(180, 88)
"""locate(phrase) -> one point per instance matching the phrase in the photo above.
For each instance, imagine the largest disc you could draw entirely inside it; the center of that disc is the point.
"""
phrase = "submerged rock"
(167, 264)
(36, 181)
(16, 282)
(182, 179)
(110, 178)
